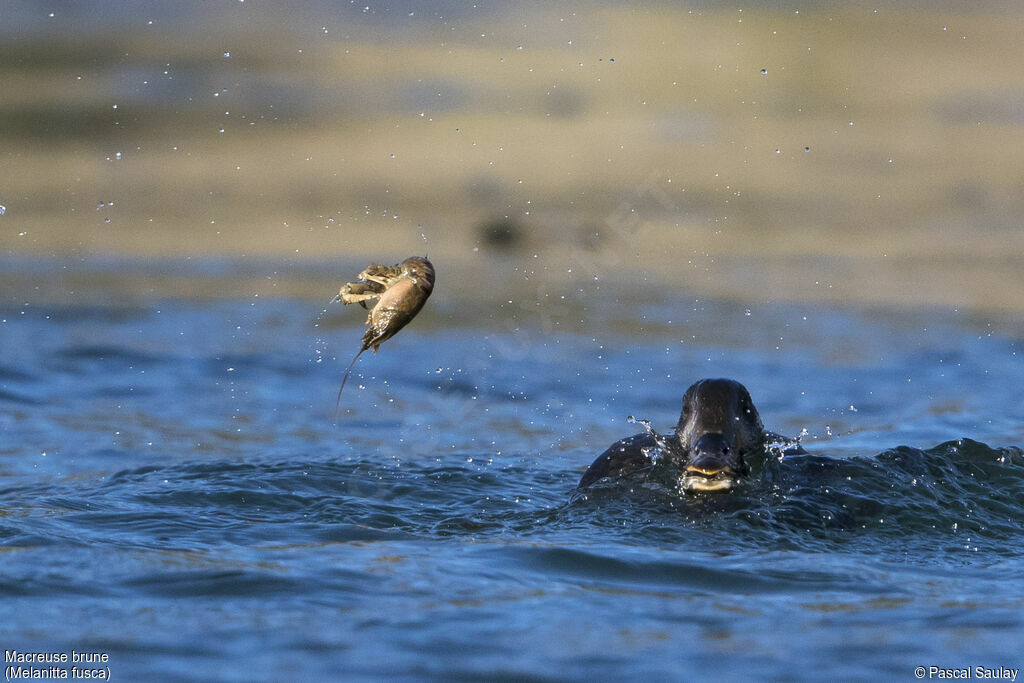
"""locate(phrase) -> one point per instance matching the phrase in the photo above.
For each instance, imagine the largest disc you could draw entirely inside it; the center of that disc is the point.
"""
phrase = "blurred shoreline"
(844, 155)
(495, 290)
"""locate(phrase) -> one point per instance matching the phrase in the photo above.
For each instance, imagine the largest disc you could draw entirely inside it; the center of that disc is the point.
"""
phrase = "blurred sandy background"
(848, 152)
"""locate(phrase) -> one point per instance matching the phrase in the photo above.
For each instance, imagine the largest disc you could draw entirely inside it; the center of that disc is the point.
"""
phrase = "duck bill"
(713, 469)
(723, 480)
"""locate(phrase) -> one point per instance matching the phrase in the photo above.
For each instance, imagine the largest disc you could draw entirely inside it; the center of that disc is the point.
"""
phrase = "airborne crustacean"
(401, 291)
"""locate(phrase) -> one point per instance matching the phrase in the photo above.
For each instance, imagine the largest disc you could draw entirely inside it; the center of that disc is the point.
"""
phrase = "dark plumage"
(718, 428)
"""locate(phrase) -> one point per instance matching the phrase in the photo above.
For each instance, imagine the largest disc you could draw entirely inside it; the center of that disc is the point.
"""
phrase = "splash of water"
(777, 444)
(320, 346)
(661, 440)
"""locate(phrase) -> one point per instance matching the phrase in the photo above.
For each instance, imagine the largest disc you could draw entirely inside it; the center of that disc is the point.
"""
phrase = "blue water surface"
(177, 492)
